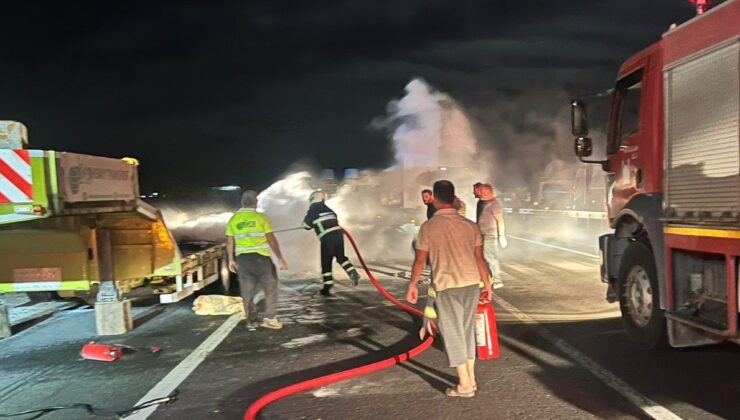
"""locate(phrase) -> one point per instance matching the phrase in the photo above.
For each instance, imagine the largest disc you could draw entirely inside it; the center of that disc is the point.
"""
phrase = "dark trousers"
(332, 246)
(257, 270)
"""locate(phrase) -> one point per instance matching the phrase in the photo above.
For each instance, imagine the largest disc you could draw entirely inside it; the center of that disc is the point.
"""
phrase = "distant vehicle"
(589, 190)
(673, 169)
(570, 186)
(511, 202)
(555, 195)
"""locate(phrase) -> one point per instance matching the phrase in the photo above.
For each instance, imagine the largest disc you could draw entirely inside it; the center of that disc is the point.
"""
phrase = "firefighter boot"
(328, 281)
(355, 277)
(326, 290)
(351, 272)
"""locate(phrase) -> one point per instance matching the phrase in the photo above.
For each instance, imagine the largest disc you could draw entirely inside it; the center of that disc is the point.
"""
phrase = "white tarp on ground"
(218, 305)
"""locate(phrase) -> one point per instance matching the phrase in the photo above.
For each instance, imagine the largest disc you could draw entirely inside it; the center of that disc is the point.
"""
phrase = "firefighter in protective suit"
(324, 222)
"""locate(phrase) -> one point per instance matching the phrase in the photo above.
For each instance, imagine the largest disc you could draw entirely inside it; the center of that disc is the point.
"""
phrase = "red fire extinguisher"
(486, 334)
(102, 352)
(110, 352)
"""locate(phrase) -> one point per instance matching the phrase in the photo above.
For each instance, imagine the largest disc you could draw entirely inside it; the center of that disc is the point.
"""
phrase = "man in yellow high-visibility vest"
(249, 239)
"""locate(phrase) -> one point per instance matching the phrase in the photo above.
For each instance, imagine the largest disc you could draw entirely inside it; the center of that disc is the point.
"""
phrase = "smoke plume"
(434, 138)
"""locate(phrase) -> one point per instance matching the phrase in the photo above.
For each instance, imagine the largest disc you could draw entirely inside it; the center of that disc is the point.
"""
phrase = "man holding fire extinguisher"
(454, 247)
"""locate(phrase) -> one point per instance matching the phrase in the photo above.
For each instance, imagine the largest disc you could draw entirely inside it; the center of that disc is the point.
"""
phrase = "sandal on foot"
(453, 392)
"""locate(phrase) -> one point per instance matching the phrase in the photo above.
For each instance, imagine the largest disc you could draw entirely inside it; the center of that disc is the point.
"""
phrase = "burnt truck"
(73, 225)
(673, 196)
(569, 186)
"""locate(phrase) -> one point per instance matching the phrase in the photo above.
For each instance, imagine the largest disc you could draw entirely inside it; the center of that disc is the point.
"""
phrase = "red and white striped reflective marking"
(15, 176)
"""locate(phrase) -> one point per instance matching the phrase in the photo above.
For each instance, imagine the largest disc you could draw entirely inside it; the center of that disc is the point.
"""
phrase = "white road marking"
(177, 375)
(544, 356)
(547, 318)
(507, 276)
(586, 254)
(573, 266)
(648, 406)
(523, 269)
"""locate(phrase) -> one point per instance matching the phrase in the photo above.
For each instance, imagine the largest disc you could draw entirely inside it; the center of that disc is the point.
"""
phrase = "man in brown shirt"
(454, 247)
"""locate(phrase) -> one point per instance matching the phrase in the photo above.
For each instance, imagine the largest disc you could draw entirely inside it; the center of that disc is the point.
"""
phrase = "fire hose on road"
(265, 400)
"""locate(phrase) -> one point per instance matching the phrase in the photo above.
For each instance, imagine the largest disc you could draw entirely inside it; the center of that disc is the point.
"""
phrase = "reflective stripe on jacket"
(249, 228)
(321, 219)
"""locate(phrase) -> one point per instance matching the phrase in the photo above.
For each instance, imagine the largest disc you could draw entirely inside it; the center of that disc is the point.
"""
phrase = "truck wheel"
(39, 297)
(639, 299)
(89, 297)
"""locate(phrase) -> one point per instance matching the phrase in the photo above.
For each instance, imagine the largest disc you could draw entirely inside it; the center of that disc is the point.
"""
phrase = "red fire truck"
(673, 196)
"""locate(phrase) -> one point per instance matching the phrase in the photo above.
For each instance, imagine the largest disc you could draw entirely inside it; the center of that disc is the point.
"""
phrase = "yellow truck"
(74, 225)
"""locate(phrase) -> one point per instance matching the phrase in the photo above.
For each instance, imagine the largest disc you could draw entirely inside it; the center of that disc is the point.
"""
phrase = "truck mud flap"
(606, 243)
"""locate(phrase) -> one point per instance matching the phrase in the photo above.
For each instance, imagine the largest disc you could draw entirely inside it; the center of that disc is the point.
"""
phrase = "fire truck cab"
(673, 196)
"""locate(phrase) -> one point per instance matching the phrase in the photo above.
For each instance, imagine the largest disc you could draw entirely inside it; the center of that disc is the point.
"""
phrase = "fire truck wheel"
(639, 299)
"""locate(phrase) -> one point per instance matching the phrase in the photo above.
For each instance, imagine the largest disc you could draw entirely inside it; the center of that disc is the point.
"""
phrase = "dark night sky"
(208, 93)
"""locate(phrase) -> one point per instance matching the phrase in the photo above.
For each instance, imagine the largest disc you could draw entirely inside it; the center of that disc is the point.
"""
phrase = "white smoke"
(180, 221)
(418, 126)
(433, 139)
(285, 202)
(429, 129)
(286, 193)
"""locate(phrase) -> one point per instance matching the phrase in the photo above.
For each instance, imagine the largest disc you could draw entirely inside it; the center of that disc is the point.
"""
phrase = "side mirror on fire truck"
(583, 147)
(578, 119)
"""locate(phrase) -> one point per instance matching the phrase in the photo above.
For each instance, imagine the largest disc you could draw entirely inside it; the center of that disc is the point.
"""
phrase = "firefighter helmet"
(317, 196)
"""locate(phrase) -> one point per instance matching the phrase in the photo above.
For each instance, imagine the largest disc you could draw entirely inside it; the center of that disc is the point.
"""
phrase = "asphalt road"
(563, 355)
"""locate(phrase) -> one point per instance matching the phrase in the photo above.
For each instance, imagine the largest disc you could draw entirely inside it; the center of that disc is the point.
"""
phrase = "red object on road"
(486, 333)
(101, 352)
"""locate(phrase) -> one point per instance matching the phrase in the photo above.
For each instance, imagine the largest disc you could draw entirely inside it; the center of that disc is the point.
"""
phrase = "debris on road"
(218, 305)
(110, 352)
(100, 352)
